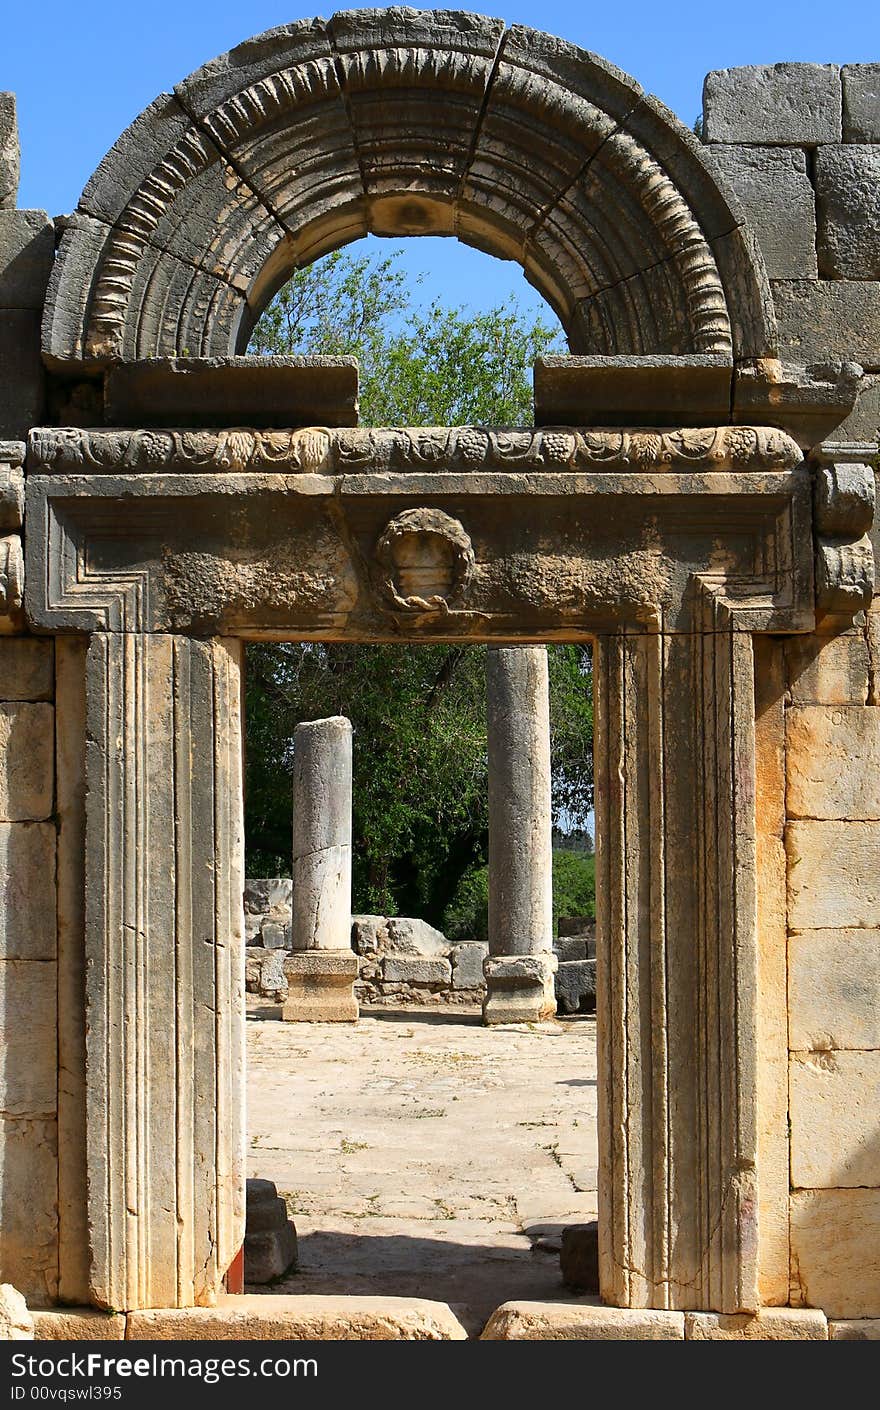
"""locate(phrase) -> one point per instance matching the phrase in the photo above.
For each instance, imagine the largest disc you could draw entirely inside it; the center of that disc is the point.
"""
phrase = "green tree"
(420, 787)
(417, 367)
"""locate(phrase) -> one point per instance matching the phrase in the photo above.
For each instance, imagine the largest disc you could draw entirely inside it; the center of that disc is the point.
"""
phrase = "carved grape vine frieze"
(319, 450)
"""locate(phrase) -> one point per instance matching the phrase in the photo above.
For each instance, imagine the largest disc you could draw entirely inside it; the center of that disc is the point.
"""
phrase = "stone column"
(323, 967)
(520, 967)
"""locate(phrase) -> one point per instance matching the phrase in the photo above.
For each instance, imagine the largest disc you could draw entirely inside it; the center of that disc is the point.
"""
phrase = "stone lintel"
(320, 986)
(807, 402)
(636, 391)
(246, 391)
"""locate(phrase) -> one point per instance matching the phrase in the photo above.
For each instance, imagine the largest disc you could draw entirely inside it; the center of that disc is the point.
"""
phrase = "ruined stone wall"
(800, 143)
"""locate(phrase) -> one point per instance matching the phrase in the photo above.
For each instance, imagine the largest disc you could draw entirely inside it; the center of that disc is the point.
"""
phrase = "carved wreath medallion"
(425, 561)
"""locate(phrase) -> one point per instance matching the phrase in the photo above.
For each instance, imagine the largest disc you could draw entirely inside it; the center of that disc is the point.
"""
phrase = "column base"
(320, 986)
(519, 988)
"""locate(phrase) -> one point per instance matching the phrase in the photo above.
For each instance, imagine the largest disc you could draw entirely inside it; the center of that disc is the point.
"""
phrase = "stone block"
(771, 1324)
(571, 947)
(579, 1256)
(9, 152)
(467, 964)
(234, 391)
(848, 212)
(27, 762)
(861, 102)
(320, 986)
(406, 936)
(252, 926)
(777, 196)
(833, 761)
(834, 990)
(273, 980)
(28, 920)
(28, 1200)
(270, 1247)
(856, 1329)
(29, 1072)
(550, 1321)
(11, 487)
(632, 391)
(835, 1251)
(808, 401)
(863, 422)
(274, 935)
(78, 1324)
(824, 318)
(576, 986)
(253, 965)
(279, 1318)
(27, 669)
(417, 969)
(828, 670)
(27, 252)
(22, 378)
(834, 1099)
(265, 894)
(11, 585)
(368, 934)
(16, 1323)
(797, 105)
(833, 875)
(576, 926)
(519, 988)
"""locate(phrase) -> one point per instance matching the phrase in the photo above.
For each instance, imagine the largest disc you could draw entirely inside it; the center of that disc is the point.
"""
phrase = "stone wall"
(800, 143)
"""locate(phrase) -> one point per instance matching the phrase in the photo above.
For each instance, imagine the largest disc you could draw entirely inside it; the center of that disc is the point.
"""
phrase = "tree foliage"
(418, 713)
(438, 366)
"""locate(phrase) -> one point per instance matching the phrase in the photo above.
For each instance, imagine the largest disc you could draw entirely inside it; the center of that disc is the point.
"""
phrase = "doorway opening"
(419, 1152)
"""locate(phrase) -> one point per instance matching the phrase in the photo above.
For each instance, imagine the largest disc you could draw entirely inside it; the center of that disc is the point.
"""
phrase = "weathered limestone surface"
(322, 835)
(778, 197)
(164, 985)
(833, 762)
(27, 761)
(27, 667)
(22, 386)
(857, 1329)
(16, 1323)
(863, 422)
(861, 102)
(520, 835)
(320, 986)
(834, 990)
(789, 104)
(9, 151)
(279, 1318)
(848, 205)
(28, 1030)
(835, 1251)
(828, 670)
(828, 318)
(78, 1324)
(772, 1324)
(27, 249)
(417, 970)
(27, 890)
(28, 1205)
(547, 1321)
(834, 875)
(835, 1097)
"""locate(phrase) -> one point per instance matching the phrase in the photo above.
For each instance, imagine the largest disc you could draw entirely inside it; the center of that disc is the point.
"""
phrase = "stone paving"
(422, 1154)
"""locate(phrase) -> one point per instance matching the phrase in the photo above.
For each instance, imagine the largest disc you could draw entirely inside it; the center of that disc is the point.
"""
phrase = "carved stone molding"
(677, 964)
(425, 560)
(553, 550)
(316, 450)
(412, 122)
(844, 499)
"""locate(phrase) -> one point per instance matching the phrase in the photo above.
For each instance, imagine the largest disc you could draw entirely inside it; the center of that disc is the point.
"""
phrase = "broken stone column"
(520, 967)
(322, 968)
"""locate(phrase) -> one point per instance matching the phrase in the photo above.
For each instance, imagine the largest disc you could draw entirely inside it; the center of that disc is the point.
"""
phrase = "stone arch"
(404, 122)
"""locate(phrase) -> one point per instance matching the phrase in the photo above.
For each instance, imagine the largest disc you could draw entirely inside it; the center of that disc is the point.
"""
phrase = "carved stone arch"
(405, 122)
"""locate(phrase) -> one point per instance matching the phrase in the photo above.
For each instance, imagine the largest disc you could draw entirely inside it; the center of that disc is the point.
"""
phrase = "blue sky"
(83, 69)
